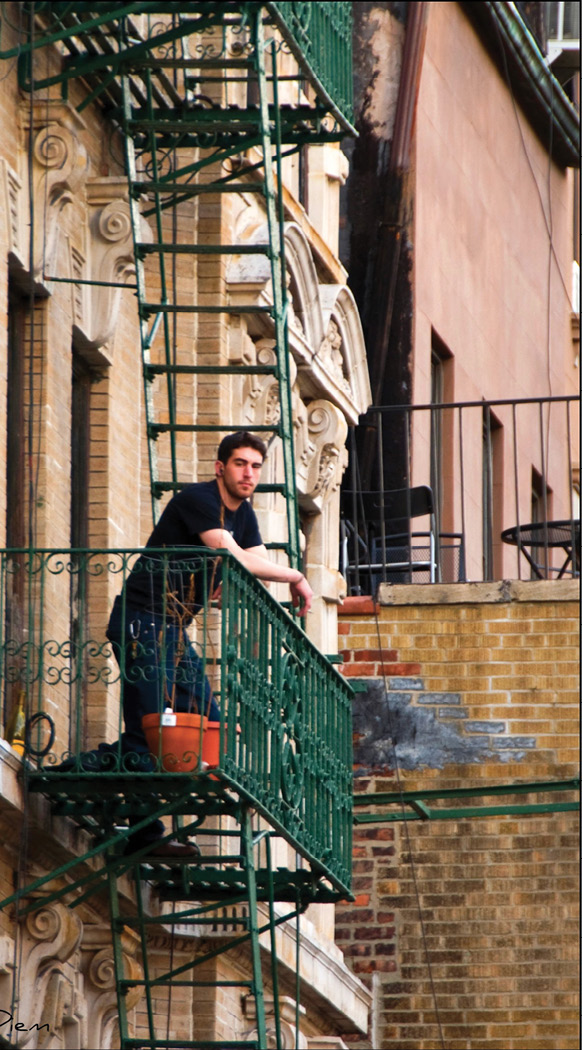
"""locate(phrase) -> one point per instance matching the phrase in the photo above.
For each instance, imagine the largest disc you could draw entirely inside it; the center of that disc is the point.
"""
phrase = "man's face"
(240, 475)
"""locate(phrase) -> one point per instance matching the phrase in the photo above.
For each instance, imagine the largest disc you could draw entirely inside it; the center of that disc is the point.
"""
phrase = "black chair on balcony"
(388, 552)
(400, 558)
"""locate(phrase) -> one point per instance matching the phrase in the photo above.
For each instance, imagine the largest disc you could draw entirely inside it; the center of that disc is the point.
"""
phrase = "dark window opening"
(441, 454)
(81, 383)
(80, 451)
(16, 422)
(492, 492)
(15, 597)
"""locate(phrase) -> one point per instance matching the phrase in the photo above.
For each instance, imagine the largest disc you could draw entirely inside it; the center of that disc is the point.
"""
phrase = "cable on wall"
(548, 220)
(415, 883)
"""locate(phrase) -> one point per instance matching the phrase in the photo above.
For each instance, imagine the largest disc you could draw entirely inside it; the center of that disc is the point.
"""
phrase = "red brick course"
(359, 669)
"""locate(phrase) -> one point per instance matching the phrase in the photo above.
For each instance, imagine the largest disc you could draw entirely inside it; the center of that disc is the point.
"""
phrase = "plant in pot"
(181, 741)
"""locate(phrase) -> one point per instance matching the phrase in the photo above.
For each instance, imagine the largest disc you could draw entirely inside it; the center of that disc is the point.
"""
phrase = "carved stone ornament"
(331, 356)
(329, 351)
(50, 986)
(11, 209)
(82, 226)
(305, 448)
(342, 352)
(100, 985)
(328, 431)
(109, 260)
(59, 170)
(261, 399)
(292, 1038)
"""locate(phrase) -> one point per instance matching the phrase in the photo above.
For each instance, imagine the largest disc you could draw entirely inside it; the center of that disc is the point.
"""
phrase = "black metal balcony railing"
(505, 493)
(284, 737)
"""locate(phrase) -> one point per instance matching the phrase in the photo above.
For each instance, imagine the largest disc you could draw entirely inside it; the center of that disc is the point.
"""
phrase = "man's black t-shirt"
(179, 585)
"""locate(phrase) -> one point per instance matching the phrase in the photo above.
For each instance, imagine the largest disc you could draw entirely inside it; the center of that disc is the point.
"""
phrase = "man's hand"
(301, 595)
(255, 560)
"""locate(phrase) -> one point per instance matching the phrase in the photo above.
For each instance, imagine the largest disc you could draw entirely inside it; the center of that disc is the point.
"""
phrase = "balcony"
(284, 736)
(320, 35)
(503, 478)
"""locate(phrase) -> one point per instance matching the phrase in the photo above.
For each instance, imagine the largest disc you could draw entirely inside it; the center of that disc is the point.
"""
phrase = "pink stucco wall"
(493, 250)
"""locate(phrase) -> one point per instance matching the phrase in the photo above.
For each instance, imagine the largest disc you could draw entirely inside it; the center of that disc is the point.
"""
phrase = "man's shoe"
(174, 848)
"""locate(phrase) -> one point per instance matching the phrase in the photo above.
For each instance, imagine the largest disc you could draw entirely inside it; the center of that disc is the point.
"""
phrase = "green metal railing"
(318, 33)
(322, 34)
(447, 804)
(285, 714)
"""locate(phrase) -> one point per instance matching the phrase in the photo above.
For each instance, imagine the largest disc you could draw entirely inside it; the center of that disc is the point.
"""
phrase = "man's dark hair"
(242, 439)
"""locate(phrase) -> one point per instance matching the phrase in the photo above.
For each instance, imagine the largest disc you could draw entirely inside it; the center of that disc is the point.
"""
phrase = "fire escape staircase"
(166, 75)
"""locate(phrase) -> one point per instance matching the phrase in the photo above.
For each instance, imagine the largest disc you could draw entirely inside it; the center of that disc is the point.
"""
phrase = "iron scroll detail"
(292, 773)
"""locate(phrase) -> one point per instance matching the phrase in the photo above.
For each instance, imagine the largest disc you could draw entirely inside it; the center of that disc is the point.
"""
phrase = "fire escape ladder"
(169, 171)
(217, 900)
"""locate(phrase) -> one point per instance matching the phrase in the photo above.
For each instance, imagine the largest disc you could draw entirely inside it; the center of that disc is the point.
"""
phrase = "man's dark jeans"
(158, 666)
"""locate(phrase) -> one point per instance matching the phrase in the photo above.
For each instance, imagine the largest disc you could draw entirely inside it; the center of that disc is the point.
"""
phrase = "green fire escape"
(200, 95)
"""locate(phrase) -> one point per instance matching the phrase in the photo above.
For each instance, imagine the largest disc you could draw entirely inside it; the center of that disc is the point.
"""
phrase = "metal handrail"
(320, 35)
(557, 398)
(285, 738)
(525, 448)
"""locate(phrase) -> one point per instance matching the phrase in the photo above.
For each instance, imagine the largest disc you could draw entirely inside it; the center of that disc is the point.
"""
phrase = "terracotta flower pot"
(174, 737)
(211, 745)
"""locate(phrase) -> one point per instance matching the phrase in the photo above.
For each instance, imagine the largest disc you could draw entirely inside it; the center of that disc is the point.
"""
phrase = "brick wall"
(473, 919)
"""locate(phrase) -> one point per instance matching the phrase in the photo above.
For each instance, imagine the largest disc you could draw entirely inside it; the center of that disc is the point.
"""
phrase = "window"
(492, 492)
(16, 495)
(303, 191)
(563, 21)
(80, 443)
(541, 498)
(562, 31)
(16, 423)
(541, 510)
(81, 381)
(436, 438)
(441, 451)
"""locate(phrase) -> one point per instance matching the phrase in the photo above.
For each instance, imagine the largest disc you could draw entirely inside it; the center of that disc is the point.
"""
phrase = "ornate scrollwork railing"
(284, 735)
(323, 35)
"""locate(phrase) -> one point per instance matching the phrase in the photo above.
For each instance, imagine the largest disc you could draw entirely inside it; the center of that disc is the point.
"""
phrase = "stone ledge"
(11, 797)
(56, 839)
(475, 593)
(327, 982)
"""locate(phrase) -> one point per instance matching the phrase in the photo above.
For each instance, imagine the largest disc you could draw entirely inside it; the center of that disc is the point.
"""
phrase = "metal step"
(250, 370)
(146, 309)
(203, 249)
(155, 429)
(195, 189)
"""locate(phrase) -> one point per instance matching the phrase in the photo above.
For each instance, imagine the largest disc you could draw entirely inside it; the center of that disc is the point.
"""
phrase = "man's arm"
(256, 561)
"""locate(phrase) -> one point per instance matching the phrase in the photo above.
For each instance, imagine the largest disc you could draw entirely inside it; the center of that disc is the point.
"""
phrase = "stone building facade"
(73, 448)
